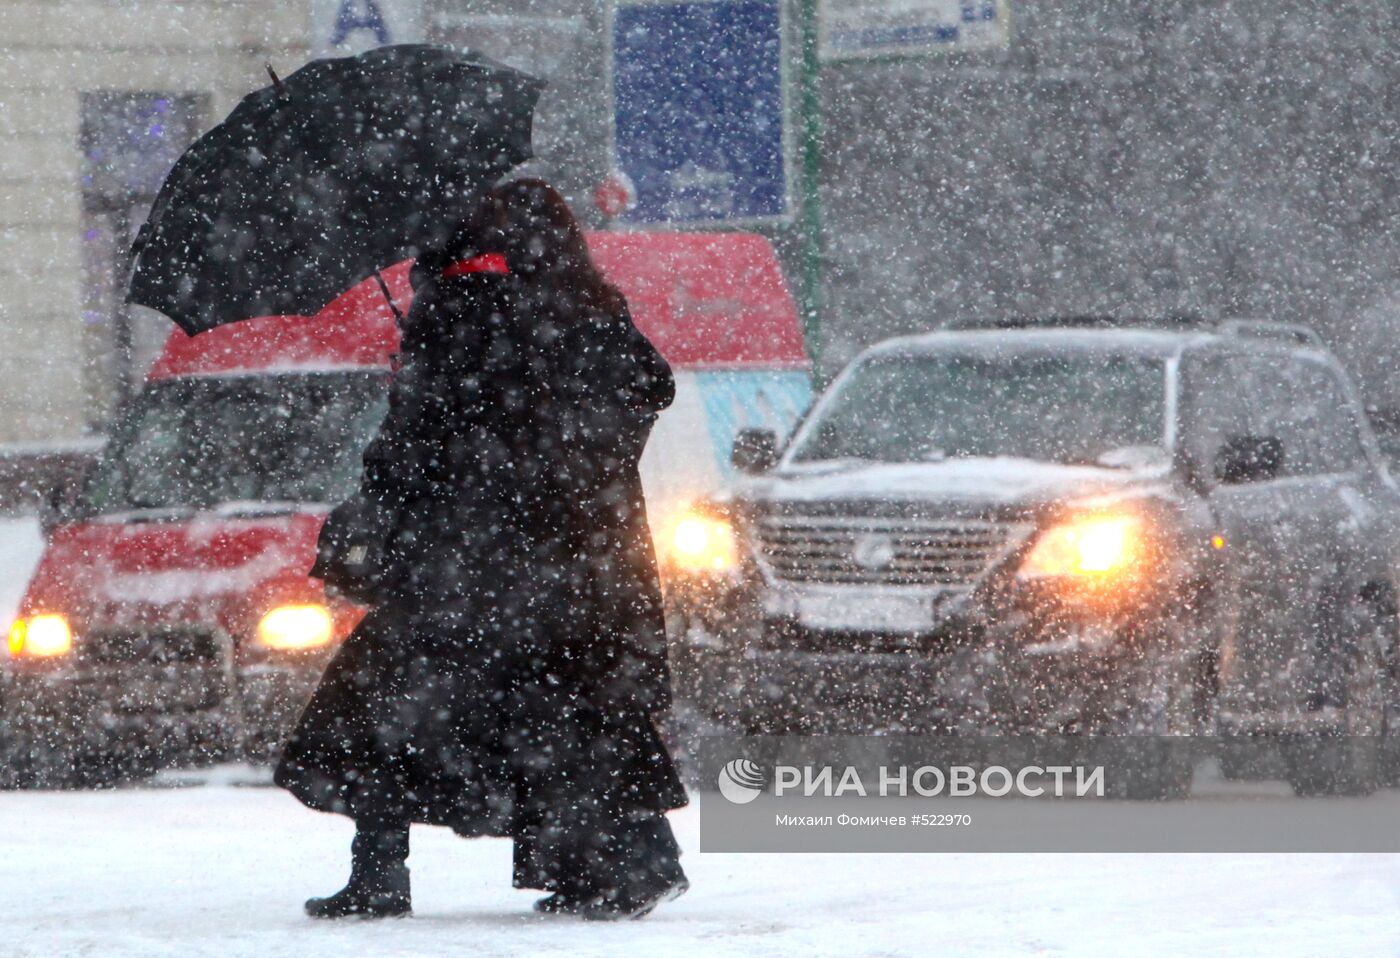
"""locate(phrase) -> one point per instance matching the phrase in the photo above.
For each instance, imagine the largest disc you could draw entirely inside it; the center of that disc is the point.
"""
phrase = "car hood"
(991, 483)
(113, 571)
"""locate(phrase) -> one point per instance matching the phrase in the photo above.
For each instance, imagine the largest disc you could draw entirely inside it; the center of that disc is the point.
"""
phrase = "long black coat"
(522, 652)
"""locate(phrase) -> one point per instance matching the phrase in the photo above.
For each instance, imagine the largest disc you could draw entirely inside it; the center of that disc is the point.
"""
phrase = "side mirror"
(755, 450)
(1248, 459)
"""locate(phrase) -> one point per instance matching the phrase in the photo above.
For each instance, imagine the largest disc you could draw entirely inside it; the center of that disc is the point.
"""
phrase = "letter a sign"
(348, 20)
(343, 27)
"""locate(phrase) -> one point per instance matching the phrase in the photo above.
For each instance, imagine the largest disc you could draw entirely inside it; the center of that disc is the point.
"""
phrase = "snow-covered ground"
(221, 870)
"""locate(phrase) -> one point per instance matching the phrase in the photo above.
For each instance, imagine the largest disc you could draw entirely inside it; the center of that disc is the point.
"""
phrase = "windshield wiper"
(838, 462)
(236, 509)
(150, 512)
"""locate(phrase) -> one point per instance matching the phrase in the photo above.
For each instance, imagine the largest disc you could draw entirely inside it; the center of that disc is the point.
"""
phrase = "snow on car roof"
(1151, 343)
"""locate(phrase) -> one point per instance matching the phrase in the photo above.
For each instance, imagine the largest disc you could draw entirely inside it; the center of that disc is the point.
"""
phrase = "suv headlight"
(1093, 547)
(295, 628)
(41, 637)
(700, 541)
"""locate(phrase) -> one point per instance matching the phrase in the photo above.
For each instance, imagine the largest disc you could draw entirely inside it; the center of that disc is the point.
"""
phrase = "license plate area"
(165, 690)
(153, 648)
(867, 612)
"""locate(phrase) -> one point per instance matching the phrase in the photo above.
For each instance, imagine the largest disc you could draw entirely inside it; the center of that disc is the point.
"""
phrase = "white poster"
(871, 28)
(345, 27)
(539, 45)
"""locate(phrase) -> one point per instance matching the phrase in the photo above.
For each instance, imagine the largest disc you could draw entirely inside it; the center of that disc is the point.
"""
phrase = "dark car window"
(201, 442)
(1214, 407)
(1336, 431)
(1301, 403)
(1055, 408)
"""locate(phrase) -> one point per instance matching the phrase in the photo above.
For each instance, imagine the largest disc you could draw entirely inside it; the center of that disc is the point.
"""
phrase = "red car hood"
(210, 569)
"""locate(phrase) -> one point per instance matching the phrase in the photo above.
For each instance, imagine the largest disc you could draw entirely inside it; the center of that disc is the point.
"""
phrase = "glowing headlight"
(1091, 547)
(291, 628)
(41, 636)
(701, 542)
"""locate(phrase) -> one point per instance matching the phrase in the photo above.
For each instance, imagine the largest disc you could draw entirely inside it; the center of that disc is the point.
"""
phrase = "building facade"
(1236, 158)
(96, 101)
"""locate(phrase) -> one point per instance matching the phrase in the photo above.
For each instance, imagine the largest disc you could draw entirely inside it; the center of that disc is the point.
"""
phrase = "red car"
(171, 618)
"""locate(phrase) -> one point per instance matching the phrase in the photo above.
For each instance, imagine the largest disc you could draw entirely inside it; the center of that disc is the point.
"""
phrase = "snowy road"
(221, 871)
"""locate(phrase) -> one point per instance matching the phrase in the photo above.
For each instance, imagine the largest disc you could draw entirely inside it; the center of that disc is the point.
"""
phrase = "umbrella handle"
(276, 82)
(388, 296)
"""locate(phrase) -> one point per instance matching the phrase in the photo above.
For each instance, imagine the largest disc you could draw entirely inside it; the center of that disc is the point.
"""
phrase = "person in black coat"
(506, 682)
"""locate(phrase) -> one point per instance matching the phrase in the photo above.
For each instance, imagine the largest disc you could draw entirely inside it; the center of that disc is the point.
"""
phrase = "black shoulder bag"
(352, 550)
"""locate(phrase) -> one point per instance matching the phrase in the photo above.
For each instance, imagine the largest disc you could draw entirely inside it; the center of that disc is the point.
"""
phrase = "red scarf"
(484, 263)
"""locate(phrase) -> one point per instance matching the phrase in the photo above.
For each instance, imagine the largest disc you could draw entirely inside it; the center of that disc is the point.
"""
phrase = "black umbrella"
(312, 184)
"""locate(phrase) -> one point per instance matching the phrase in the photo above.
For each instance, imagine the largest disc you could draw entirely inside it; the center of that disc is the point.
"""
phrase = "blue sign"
(698, 111)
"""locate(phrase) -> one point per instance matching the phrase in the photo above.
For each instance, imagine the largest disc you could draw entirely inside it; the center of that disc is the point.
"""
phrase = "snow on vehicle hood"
(165, 563)
(999, 481)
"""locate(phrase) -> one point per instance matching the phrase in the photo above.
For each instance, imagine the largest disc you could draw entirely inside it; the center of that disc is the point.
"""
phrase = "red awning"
(707, 300)
(357, 329)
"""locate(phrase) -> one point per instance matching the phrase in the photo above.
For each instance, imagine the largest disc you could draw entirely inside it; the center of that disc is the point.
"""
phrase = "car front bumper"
(975, 669)
(156, 717)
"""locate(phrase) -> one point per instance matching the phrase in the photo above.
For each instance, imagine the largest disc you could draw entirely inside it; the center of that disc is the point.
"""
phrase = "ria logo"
(741, 781)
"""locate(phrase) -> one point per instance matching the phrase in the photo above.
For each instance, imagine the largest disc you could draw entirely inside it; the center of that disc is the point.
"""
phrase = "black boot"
(634, 900)
(378, 886)
(566, 875)
(563, 903)
(641, 870)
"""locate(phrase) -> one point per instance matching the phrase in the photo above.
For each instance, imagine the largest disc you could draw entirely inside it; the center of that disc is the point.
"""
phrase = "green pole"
(810, 210)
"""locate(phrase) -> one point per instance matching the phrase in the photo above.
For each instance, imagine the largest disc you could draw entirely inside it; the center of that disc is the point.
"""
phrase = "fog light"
(290, 628)
(41, 636)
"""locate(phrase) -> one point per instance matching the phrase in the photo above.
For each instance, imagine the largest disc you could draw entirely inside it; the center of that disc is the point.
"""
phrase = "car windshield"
(1055, 408)
(199, 443)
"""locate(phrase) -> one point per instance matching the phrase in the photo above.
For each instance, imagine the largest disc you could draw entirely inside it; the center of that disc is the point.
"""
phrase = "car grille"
(151, 647)
(883, 551)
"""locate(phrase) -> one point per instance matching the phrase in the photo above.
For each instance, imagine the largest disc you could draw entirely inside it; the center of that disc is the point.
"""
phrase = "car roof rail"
(1295, 333)
(1168, 322)
(1034, 322)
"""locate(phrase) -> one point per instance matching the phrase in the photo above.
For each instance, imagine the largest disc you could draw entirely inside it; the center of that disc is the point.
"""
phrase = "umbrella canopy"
(313, 183)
